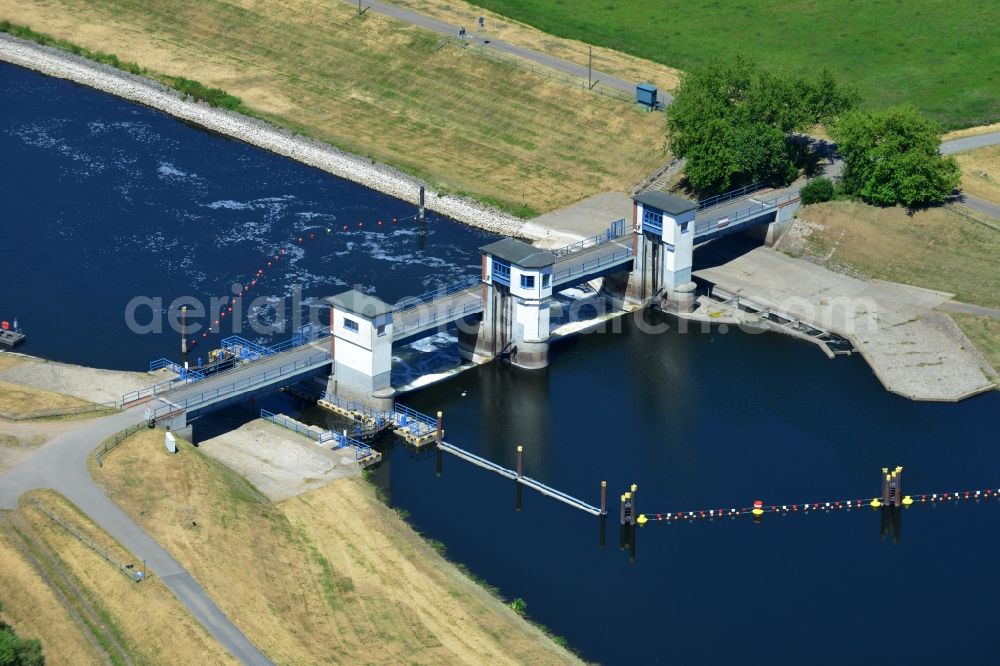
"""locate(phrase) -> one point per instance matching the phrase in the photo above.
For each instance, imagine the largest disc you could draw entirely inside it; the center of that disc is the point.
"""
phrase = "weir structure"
(504, 312)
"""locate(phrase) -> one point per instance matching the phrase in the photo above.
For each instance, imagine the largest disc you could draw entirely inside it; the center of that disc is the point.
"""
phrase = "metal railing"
(232, 343)
(127, 569)
(65, 411)
(618, 256)
(357, 407)
(732, 194)
(450, 315)
(240, 385)
(161, 363)
(614, 232)
(547, 72)
(740, 217)
(115, 440)
(435, 294)
(321, 436)
(151, 391)
(415, 422)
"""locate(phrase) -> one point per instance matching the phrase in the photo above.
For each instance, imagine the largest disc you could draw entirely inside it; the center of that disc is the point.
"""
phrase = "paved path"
(970, 143)
(61, 465)
(558, 64)
(981, 206)
(969, 308)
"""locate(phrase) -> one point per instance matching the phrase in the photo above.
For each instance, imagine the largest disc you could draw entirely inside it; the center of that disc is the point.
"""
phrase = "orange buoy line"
(215, 323)
(758, 508)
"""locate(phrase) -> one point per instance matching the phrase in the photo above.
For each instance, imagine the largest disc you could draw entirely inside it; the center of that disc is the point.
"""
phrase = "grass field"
(332, 576)
(381, 89)
(935, 248)
(944, 57)
(981, 172)
(80, 605)
(984, 333)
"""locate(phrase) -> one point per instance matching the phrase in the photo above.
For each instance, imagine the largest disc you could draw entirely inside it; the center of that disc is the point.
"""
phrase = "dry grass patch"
(380, 88)
(8, 361)
(332, 576)
(17, 400)
(981, 172)
(935, 248)
(616, 63)
(984, 333)
(139, 622)
(32, 608)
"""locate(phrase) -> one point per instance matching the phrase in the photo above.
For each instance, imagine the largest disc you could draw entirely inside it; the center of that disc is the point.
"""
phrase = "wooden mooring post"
(422, 192)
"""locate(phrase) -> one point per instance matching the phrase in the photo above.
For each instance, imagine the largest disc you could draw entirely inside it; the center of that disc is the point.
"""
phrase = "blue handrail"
(732, 194)
(435, 294)
(240, 385)
(708, 226)
(614, 232)
(618, 256)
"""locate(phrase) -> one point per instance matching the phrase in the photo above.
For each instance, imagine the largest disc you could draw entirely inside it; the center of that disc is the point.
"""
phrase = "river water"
(104, 199)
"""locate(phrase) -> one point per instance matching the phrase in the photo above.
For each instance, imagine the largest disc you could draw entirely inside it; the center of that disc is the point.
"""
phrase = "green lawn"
(944, 57)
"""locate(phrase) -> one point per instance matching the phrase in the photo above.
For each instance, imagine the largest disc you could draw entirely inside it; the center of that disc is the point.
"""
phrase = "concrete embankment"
(914, 351)
(380, 177)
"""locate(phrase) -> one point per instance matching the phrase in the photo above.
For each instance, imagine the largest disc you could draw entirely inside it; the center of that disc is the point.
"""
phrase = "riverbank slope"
(332, 575)
(515, 137)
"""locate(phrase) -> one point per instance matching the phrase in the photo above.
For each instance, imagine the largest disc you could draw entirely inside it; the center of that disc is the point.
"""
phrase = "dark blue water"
(105, 201)
(697, 420)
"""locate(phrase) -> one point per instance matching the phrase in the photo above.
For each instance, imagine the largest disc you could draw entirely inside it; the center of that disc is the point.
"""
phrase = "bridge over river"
(504, 311)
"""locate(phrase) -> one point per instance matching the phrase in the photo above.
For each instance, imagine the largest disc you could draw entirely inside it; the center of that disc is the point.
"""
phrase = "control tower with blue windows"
(517, 288)
(663, 247)
(362, 340)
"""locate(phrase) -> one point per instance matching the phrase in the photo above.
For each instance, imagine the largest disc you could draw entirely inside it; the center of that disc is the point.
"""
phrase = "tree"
(732, 122)
(891, 156)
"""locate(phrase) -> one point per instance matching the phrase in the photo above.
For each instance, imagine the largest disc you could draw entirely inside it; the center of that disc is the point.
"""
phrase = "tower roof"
(668, 203)
(519, 253)
(355, 302)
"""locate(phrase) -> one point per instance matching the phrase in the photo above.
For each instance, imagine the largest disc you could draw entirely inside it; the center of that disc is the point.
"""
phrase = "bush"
(817, 190)
(519, 606)
(15, 651)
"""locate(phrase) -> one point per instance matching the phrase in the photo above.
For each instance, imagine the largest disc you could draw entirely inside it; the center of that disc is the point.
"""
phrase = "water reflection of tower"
(892, 522)
(514, 409)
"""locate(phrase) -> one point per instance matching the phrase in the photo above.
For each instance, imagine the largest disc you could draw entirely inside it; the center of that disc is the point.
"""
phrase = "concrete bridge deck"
(260, 376)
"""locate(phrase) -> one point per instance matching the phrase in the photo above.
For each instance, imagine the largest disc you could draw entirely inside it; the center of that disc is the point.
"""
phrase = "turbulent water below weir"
(104, 200)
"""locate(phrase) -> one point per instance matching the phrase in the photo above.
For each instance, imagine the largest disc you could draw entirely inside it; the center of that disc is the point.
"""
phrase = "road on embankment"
(543, 59)
(581, 72)
(62, 466)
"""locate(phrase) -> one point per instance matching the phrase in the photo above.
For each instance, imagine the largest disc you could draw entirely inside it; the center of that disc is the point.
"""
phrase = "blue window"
(546, 281)
(652, 220)
(350, 325)
(527, 282)
(501, 272)
(684, 227)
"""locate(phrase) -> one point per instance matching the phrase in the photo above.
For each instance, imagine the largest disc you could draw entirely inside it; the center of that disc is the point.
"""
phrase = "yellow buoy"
(907, 501)
(875, 503)
(641, 519)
